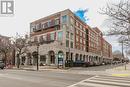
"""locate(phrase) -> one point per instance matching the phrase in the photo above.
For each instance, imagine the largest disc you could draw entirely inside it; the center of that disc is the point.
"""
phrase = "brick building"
(64, 36)
(10, 57)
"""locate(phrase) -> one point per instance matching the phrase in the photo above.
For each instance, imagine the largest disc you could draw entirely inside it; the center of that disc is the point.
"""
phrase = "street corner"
(121, 75)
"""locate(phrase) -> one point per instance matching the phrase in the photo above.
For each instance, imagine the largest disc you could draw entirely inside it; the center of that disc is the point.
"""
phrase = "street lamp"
(37, 55)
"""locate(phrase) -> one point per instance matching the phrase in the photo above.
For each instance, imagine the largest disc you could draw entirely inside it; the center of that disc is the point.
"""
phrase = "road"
(67, 78)
(97, 68)
(103, 81)
(22, 78)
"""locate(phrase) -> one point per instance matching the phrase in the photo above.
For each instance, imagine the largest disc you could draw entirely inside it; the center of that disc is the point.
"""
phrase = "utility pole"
(123, 53)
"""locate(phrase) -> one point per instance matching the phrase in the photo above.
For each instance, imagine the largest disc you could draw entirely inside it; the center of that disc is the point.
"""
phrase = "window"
(84, 41)
(77, 39)
(77, 31)
(71, 36)
(80, 33)
(80, 40)
(64, 26)
(49, 23)
(44, 37)
(76, 23)
(46, 25)
(52, 36)
(64, 19)
(33, 27)
(71, 20)
(71, 44)
(43, 26)
(57, 28)
(35, 39)
(23, 59)
(38, 26)
(84, 49)
(48, 37)
(57, 21)
(60, 35)
(41, 39)
(83, 29)
(67, 43)
(71, 27)
(43, 58)
(83, 35)
(67, 34)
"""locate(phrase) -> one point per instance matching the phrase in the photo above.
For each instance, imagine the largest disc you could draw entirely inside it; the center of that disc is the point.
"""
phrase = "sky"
(27, 11)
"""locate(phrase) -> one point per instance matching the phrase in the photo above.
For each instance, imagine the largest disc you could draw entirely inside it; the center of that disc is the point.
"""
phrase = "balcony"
(45, 26)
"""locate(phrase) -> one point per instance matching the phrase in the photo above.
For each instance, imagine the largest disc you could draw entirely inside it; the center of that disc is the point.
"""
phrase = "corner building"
(64, 36)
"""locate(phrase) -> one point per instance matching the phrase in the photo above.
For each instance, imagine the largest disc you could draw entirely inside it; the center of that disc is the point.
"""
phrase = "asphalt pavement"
(98, 76)
(23, 78)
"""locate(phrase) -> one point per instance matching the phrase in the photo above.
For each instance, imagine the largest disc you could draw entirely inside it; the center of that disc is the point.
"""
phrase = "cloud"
(82, 14)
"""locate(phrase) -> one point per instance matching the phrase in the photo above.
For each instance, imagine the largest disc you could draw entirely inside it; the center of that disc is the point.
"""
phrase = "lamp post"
(37, 56)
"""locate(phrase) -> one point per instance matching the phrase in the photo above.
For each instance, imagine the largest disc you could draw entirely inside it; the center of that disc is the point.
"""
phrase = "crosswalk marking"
(103, 81)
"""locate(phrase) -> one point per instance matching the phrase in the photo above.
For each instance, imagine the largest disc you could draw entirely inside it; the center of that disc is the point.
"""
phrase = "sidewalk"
(41, 68)
(121, 71)
(116, 71)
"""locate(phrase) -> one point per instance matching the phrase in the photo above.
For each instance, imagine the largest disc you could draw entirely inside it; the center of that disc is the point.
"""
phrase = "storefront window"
(43, 58)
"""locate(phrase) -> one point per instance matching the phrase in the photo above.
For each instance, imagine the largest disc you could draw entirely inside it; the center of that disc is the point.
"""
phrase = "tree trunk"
(18, 60)
(5, 60)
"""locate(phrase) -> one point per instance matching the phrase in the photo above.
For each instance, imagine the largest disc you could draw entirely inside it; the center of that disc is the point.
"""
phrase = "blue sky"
(81, 13)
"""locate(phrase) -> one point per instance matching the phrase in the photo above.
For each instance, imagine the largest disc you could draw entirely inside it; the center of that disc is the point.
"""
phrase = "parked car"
(2, 65)
(86, 64)
(79, 63)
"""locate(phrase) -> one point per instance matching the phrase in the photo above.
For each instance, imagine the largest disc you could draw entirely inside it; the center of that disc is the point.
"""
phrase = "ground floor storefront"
(61, 58)
(58, 55)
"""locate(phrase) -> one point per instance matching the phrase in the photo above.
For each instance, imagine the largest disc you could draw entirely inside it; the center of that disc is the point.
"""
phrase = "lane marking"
(74, 85)
(98, 81)
(121, 75)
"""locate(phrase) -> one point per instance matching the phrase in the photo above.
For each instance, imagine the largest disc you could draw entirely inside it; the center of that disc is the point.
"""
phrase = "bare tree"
(5, 48)
(119, 16)
(20, 46)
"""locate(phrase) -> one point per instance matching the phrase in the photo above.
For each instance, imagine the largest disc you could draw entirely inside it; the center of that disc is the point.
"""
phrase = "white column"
(47, 60)
(56, 59)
